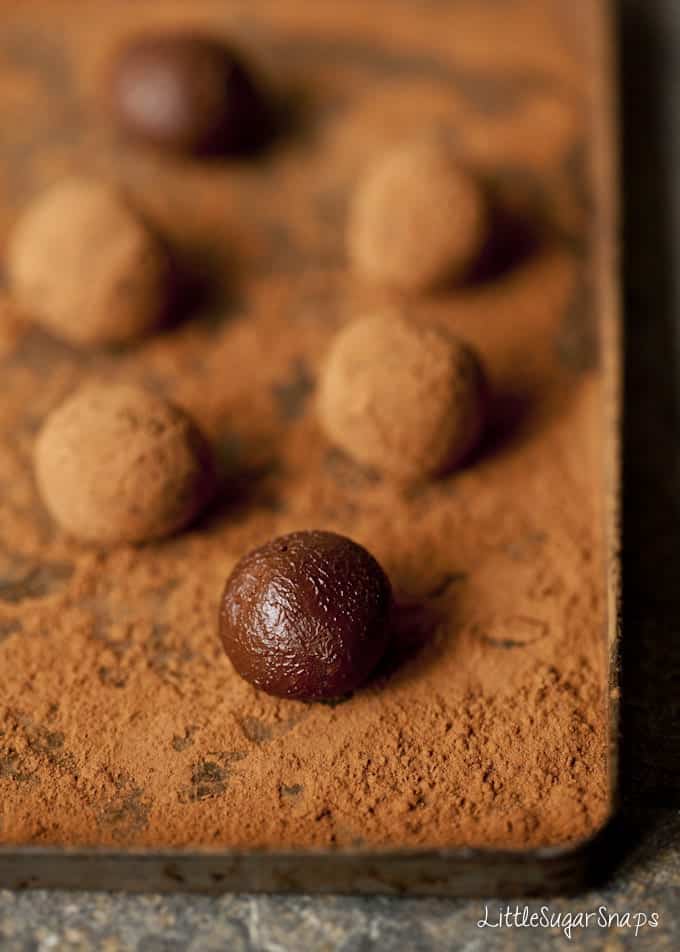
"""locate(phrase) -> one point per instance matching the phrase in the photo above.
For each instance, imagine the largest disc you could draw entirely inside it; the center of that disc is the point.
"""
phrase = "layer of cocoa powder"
(121, 722)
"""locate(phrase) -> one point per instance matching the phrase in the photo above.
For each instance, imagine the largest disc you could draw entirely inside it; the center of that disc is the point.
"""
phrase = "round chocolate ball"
(418, 218)
(306, 616)
(83, 263)
(119, 464)
(404, 397)
(187, 93)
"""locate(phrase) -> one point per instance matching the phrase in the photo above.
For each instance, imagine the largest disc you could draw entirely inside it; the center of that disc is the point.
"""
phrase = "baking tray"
(442, 871)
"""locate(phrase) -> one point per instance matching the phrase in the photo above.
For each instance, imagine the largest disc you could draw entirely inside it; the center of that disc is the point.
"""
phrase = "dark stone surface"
(648, 882)
(648, 878)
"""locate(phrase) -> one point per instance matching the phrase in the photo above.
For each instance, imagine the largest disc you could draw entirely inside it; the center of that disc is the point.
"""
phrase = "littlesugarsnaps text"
(524, 917)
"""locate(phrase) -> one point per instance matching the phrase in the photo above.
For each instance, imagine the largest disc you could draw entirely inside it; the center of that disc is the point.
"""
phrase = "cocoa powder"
(121, 721)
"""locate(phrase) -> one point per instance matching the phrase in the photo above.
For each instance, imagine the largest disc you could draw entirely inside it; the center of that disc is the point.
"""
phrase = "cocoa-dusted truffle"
(306, 616)
(187, 93)
(82, 263)
(418, 219)
(403, 397)
(120, 464)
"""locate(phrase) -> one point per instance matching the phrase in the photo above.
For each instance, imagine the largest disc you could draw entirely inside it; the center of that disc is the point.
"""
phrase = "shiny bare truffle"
(417, 219)
(186, 93)
(405, 398)
(83, 263)
(306, 616)
(119, 464)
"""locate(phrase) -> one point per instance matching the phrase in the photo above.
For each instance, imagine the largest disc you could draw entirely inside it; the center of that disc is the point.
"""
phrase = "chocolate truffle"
(118, 464)
(403, 397)
(306, 616)
(187, 93)
(82, 263)
(417, 219)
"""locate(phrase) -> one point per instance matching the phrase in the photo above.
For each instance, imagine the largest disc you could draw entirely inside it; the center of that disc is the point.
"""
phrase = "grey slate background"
(646, 876)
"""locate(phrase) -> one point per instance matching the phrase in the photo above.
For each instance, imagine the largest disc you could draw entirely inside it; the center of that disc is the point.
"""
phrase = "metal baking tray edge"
(444, 872)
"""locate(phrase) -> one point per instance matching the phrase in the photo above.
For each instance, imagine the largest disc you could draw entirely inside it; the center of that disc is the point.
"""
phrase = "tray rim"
(456, 871)
(448, 871)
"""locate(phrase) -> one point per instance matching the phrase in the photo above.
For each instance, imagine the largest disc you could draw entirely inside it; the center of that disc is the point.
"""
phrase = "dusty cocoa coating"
(83, 263)
(306, 616)
(471, 742)
(116, 463)
(185, 92)
(417, 219)
(406, 398)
